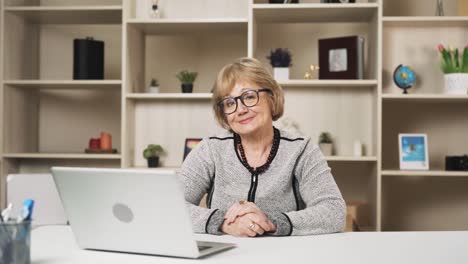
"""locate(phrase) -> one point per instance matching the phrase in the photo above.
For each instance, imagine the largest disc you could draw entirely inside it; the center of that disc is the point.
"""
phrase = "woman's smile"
(246, 120)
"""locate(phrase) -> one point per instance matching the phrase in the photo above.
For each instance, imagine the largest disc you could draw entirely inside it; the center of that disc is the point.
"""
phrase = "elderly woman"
(259, 180)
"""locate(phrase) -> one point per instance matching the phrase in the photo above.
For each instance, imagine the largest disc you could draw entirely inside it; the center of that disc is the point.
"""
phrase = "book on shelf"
(341, 58)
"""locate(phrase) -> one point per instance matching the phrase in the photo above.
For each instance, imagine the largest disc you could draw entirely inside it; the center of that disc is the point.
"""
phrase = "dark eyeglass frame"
(221, 105)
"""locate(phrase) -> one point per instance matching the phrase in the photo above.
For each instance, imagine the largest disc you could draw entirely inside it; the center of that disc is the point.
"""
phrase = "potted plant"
(455, 67)
(152, 153)
(280, 60)
(154, 86)
(187, 78)
(326, 143)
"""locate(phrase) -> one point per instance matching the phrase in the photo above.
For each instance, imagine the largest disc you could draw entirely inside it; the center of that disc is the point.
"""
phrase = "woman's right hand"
(244, 226)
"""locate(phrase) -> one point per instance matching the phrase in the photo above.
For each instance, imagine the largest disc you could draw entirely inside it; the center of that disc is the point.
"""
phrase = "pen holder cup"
(15, 241)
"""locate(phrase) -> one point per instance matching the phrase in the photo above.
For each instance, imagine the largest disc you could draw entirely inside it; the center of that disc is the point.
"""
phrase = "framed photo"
(190, 143)
(341, 58)
(413, 152)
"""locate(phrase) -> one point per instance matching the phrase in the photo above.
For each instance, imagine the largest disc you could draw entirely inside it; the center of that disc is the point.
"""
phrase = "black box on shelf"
(456, 163)
(88, 59)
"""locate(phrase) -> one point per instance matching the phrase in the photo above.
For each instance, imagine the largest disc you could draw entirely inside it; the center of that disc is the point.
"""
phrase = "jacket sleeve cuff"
(214, 222)
(282, 222)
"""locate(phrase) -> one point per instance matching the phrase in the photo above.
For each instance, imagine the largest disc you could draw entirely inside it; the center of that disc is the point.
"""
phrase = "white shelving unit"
(189, 26)
(425, 98)
(47, 118)
(329, 83)
(59, 156)
(65, 84)
(400, 173)
(425, 21)
(68, 14)
(410, 36)
(351, 158)
(174, 96)
(312, 13)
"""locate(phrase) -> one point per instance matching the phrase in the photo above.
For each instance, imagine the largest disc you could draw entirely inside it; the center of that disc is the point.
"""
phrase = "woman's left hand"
(242, 208)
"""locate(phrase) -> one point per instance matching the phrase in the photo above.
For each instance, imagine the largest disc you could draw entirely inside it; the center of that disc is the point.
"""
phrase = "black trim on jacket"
(294, 181)
(218, 138)
(290, 224)
(208, 221)
(210, 193)
(291, 139)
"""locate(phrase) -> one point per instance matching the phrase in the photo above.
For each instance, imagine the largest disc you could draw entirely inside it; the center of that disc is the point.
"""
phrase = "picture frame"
(190, 144)
(341, 58)
(413, 151)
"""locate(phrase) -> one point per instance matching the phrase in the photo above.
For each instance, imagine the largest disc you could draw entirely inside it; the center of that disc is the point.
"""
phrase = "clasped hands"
(245, 219)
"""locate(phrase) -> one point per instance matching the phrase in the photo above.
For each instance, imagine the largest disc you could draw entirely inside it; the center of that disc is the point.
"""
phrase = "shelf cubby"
(352, 111)
(444, 123)
(160, 49)
(424, 203)
(301, 38)
(188, 119)
(358, 183)
(41, 50)
(41, 121)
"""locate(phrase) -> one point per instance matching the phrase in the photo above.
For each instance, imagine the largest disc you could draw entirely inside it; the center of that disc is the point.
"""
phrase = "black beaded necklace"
(271, 156)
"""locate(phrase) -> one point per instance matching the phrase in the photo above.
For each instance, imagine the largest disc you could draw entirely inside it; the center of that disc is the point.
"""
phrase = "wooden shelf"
(171, 96)
(83, 156)
(425, 173)
(313, 13)
(69, 14)
(328, 83)
(351, 158)
(425, 21)
(65, 84)
(190, 26)
(425, 97)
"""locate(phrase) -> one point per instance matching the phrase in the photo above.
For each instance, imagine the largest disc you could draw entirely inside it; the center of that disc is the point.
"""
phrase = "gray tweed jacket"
(297, 191)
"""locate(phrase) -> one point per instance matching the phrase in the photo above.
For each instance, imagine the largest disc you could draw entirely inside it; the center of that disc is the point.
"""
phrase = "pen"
(26, 210)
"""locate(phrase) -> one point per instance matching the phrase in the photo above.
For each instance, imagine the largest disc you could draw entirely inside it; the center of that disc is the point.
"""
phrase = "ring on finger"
(252, 226)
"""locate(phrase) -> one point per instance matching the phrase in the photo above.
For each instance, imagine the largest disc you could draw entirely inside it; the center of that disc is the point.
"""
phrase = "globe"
(404, 77)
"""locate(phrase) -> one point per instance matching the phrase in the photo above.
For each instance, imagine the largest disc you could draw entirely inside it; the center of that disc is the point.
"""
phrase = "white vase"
(326, 148)
(456, 83)
(281, 73)
(153, 89)
(357, 148)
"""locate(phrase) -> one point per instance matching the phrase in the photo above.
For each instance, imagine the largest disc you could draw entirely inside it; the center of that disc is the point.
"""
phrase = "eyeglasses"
(248, 98)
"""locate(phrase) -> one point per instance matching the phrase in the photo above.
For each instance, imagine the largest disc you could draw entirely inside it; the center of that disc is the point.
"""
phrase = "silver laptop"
(136, 211)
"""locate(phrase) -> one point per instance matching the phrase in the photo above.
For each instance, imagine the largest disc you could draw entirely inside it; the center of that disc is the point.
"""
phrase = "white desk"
(56, 244)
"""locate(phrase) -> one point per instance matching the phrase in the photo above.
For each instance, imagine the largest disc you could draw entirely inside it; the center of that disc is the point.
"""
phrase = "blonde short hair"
(248, 70)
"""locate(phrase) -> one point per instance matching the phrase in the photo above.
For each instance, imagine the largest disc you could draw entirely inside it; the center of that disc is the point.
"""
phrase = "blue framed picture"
(190, 144)
(413, 152)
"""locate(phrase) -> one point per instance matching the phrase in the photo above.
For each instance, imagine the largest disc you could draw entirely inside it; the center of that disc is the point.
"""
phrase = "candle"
(94, 143)
(106, 141)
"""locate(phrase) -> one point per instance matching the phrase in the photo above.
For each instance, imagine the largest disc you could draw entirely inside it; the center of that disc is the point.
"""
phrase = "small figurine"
(154, 12)
(309, 75)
